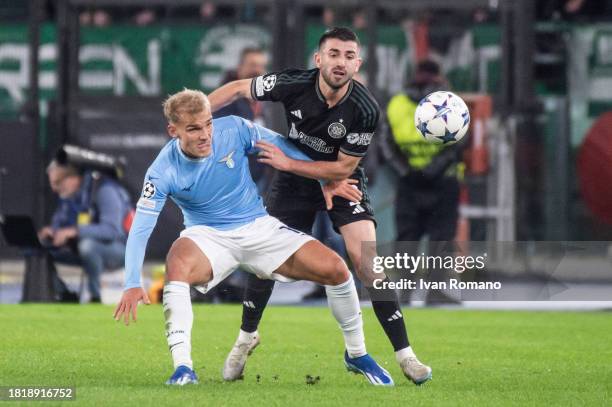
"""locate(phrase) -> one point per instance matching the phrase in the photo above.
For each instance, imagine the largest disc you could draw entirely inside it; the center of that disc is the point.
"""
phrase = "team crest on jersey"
(148, 190)
(336, 130)
(228, 160)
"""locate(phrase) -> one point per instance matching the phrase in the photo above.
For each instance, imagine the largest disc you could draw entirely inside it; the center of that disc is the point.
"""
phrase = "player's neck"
(332, 96)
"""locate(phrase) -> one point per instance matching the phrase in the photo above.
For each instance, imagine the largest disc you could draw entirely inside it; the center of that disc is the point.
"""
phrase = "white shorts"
(259, 247)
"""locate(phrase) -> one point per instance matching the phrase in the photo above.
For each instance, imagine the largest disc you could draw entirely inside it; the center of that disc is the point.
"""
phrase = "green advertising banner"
(157, 60)
(127, 60)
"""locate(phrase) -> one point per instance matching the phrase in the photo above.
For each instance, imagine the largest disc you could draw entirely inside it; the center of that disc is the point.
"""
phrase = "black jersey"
(319, 131)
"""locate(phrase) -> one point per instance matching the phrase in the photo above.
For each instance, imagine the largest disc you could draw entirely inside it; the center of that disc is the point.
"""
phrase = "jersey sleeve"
(276, 86)
(154, 194)
(251, 133)
(360, 134)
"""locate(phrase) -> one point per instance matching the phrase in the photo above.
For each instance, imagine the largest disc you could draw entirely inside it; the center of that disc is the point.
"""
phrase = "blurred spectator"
(88, 227)
(145, 17)
(329, 17)
(427, 197)
(252, 63)
(96, 17)
(360, 19)
(573, 9)
(208, 10)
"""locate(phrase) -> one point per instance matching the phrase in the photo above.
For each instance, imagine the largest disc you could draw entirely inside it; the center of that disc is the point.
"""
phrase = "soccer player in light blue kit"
(204, 170)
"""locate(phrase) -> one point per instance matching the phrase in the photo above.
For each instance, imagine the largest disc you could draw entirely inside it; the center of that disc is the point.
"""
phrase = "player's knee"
(183, 265)
(339, 272)
(178, 265)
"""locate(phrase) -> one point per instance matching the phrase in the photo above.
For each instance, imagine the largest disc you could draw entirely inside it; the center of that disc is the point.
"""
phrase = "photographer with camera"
(89, 226)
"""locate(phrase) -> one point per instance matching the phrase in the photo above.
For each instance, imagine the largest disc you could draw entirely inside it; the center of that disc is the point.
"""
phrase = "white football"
(442, 117)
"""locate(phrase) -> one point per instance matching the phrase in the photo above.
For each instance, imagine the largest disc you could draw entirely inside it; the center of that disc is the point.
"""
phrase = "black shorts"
(295, 201)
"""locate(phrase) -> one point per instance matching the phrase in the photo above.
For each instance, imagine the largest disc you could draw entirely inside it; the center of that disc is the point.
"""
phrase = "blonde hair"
(187, 101)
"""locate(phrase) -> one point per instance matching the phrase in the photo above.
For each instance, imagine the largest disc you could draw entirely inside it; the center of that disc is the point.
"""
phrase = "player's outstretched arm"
(149, 206)
(344, 188)
(141, 229)
(229, 92)
(337, 170)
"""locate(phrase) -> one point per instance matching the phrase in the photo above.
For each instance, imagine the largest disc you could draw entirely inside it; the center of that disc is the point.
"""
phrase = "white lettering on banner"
(13, 81)
(124, 69)
(220, 49)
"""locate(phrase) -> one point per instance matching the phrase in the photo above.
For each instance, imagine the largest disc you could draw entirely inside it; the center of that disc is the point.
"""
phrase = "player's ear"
(359, 62)
(317, 59)
(171, 128)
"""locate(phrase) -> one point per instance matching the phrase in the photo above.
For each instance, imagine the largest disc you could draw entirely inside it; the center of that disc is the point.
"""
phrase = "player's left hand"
(129, 303)
(347, 189)
(62, 235)
(273, 156)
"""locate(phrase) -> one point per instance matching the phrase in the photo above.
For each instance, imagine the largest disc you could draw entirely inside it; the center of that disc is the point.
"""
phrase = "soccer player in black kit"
(332, 118)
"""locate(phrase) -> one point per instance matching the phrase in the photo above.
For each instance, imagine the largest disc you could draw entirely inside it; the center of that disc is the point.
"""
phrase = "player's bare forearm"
(229, 92)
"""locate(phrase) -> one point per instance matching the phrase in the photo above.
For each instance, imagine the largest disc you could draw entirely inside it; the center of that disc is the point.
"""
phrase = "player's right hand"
(129, 302)
(346, 188)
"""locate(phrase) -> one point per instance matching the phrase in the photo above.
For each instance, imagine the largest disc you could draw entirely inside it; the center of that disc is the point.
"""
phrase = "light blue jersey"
(215, 191)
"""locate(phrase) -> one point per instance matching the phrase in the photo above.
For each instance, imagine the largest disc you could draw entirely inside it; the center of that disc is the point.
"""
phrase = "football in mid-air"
(442, 117)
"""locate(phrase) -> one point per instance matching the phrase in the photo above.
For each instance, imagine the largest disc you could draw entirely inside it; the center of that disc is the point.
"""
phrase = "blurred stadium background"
(536, 74)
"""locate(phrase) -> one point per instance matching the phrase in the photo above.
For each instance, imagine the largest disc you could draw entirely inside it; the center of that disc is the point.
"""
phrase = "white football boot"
(236, 359)
(415, 370)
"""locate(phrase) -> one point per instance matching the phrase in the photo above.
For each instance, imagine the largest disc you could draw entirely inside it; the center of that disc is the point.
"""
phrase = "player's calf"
(186, 264)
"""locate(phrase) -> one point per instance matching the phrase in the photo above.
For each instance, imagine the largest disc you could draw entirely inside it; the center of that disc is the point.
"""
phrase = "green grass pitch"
(478, 357)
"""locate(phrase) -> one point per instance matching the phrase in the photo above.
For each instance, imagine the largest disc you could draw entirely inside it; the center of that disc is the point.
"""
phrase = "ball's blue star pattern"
(447, 137)
(442, 110)
(443, 106)
(422, 126)
(466, 118)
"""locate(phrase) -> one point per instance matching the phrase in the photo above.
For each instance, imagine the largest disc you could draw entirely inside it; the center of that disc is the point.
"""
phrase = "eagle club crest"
(228, 160)
(336, 130)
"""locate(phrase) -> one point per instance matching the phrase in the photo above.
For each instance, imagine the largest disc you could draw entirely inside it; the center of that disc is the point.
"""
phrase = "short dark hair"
(340, 33)
(429, 67)
(249, 50)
